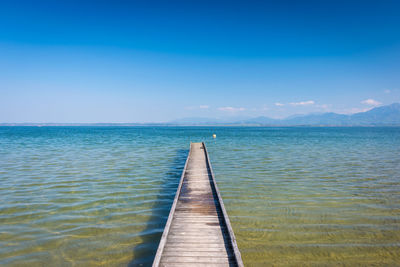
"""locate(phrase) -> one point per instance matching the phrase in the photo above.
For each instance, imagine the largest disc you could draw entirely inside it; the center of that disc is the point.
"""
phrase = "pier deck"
(198, 231)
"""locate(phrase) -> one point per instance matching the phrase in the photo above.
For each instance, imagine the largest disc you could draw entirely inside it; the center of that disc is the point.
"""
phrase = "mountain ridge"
(383, 115)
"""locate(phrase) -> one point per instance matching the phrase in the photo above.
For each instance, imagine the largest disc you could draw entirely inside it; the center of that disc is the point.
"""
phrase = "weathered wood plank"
(186, 216)
(197, 259)
(195, 231)
(176, 264)
(194, 239)
(187, 220)
(176, 253)
(186, 233)
(207, 231)
(194, 216)
(195, 247)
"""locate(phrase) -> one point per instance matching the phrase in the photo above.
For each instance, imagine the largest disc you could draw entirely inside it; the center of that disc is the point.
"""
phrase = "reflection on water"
(145, 251)
(92, 196)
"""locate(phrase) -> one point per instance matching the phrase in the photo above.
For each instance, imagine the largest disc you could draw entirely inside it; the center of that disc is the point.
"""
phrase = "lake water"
(100, 196)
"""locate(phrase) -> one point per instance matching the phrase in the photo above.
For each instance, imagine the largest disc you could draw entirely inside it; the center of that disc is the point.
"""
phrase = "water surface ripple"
(95, 196)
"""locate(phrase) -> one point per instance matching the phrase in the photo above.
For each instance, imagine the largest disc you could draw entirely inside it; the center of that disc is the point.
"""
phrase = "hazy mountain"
(381, 115)
(261, 120)
(318, 119)
(385, 115)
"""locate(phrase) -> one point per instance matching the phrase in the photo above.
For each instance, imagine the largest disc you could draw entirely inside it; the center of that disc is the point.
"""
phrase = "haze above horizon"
(151, 61)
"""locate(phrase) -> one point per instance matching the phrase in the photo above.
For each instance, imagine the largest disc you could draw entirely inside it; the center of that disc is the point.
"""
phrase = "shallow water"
(91, 196)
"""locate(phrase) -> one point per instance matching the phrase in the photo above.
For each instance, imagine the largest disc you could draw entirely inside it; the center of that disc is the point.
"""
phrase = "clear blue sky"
(153, 61)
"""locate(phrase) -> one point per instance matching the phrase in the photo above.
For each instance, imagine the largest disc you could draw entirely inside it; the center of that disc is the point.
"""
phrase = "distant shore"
(183, 125)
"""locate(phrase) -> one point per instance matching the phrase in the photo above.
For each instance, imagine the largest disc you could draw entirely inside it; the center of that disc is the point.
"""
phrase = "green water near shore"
(95, 196)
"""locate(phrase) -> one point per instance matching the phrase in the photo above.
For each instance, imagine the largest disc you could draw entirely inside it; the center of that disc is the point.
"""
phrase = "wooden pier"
(198, 231)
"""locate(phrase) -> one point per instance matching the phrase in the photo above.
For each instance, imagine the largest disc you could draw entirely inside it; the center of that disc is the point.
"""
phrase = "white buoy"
(214, 136)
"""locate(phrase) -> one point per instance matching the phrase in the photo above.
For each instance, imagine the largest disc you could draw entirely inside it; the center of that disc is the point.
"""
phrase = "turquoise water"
(95, 196)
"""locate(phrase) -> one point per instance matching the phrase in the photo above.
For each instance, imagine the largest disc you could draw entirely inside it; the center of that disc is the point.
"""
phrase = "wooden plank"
(194, 217)
(186, 220)
(195, 231)
(197, 259)
(197, 227)
(195, 248)
(194, 239)
(199, 246)
(209, 234)
(204, 221)
(176, 264)
(169, 253)
(188, 216)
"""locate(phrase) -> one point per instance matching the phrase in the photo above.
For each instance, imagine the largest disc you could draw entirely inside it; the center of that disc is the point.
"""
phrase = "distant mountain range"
(379, 116)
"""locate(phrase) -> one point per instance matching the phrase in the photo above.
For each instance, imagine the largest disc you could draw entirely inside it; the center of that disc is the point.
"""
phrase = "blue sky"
(154, 61)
